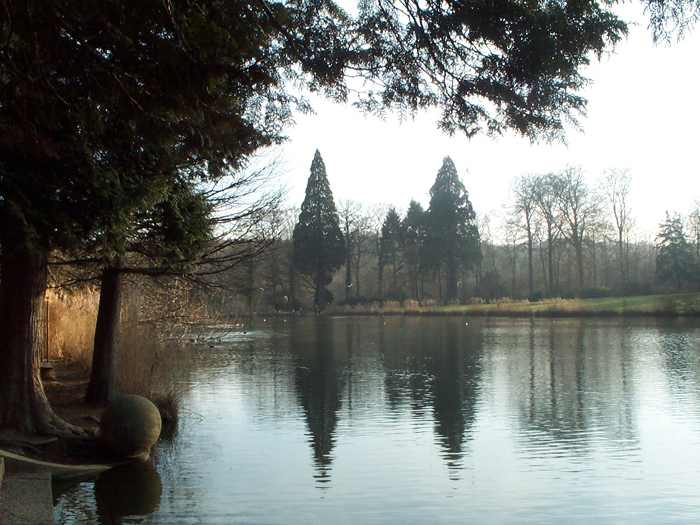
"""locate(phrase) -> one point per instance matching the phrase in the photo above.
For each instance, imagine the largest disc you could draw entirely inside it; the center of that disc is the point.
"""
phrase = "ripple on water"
(431, 421)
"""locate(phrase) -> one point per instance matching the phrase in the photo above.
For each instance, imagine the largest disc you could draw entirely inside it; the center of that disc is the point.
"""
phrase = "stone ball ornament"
(130, 426)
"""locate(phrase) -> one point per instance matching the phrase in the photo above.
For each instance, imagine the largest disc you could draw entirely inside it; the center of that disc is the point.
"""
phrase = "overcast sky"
(643, 114)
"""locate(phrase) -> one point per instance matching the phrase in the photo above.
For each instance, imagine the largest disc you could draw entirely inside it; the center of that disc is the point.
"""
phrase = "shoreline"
(653, 306)
(479, 313)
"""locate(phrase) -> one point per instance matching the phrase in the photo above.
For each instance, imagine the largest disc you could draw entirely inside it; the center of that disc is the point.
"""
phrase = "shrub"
(411, 305)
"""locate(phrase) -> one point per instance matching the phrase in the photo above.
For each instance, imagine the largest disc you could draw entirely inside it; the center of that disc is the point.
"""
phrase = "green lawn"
(662, 305)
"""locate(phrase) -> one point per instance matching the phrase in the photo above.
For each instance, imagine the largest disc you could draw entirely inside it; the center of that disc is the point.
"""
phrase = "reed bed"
(152, 355)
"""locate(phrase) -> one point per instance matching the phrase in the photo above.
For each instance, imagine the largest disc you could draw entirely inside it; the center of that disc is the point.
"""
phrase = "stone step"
(26, 499)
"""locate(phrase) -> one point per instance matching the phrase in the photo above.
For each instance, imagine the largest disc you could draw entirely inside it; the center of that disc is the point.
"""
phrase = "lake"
(423, 420)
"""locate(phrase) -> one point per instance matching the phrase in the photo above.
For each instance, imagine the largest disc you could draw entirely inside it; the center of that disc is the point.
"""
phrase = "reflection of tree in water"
(678, 343)
(556, 392)
(577, 383)
(318, 387)
(407, 380)
(437, 363)
(134, 489)
(457, 370)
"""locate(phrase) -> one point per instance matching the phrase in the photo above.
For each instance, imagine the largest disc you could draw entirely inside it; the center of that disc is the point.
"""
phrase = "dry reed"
(151, 356)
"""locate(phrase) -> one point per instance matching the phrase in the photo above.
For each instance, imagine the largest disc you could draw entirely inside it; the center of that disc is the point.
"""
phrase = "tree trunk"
(103, 376)
(451, 283)
(530, 265)
(274, 277)
(292, 284)
(550, 258)
(623, 277)
(348, 275)
(23, 403)
(319, 286)
(579, 264)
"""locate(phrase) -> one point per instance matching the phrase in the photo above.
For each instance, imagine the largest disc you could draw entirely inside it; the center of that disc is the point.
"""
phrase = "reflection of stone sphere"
(130, 426)
(128, 490)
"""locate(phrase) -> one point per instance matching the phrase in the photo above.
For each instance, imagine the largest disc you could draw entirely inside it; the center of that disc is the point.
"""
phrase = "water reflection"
(128, 490)
(436, 369)
(569, 381)
(120, 495)
(319, 388)
(417, 420)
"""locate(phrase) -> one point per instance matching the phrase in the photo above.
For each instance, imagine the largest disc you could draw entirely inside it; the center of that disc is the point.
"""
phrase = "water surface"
(424, 420)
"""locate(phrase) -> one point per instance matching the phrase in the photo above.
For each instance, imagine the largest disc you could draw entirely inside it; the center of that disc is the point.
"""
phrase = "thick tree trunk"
(23, 403)
(103, 376)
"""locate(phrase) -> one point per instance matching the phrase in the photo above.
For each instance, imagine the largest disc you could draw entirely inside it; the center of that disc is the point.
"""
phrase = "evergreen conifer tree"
(318, 242)
(452, 237)
(674, 261)
(412, 237)
(389, 243)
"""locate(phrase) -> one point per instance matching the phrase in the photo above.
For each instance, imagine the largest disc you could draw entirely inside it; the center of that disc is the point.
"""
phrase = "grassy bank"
(648, 305)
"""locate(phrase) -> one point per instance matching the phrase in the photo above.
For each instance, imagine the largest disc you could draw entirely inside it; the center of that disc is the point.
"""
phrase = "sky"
(643, 109)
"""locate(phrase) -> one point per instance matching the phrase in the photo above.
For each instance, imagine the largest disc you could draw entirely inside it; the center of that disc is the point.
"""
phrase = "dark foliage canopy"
(489, 66)
(452, 237)
(105, 105)
(318, 242)
(675, 264)
(390, 235)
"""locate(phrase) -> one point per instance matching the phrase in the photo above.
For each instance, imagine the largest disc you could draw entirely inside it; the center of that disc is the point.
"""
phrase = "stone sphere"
(131, 426)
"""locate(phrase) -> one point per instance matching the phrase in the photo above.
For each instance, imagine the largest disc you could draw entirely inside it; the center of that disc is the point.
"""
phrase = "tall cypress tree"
(452, 237)
(318, 242)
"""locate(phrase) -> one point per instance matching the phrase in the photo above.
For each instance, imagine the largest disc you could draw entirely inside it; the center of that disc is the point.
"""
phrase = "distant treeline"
(559, 238)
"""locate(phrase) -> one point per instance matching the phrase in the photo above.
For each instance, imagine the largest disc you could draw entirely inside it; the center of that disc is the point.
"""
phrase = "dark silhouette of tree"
(412, 237)
(353, 226)
(546, 198)
(577, 209)
(319, 246)
(489, 69)
(694, 225)
(617, 186)
(674, 259)
(389, 244)
(166, 239)
(525, 206)
(452, 237)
